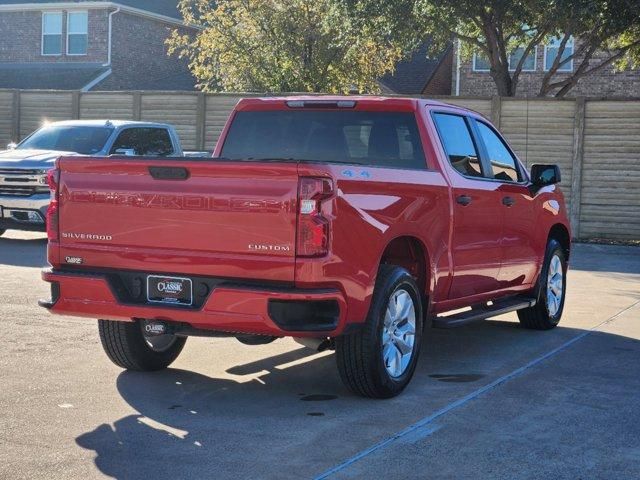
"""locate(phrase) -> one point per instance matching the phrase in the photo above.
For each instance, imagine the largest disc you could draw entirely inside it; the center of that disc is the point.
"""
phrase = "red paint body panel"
(207, 224)
(368, 215)
(201, 226)
(234, 310)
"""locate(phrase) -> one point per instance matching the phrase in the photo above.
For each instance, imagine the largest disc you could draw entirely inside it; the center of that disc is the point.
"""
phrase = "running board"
(482, 312)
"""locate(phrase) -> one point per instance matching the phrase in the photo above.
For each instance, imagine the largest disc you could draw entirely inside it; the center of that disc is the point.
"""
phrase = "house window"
(529, 64)
(77, 27)
(551, 50)
(481, 63)
(52, 33)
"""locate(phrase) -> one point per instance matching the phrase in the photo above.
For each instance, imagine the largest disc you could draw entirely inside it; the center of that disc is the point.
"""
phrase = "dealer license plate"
(171, 290)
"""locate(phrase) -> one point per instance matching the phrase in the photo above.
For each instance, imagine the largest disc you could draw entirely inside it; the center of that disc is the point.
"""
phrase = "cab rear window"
(383, 139)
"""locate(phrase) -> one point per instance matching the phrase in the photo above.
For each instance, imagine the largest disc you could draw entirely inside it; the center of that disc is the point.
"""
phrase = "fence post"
(15, 124)
(576, 166)
(496, 110)
(201, 118)
(75, 105)
(137, 105)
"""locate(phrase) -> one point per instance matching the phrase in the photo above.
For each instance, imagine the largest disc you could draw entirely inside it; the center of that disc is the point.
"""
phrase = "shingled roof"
(412, 75)
(54, 76)
(167, 8)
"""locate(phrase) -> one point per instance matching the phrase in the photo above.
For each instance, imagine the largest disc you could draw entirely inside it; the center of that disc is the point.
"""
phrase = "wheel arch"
(560, 233)
(410, 252)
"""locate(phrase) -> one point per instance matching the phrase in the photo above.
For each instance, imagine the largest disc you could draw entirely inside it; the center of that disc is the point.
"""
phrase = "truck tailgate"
(222, 219)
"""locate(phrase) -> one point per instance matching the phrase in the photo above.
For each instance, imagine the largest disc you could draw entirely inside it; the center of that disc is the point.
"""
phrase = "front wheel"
(129, 346)
(2, 232)
(379, 360)
(546, 313)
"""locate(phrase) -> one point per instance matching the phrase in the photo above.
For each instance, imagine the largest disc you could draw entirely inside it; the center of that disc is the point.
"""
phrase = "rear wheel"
(380, 360)
(130, 347)
(546, 313)
(2, 232)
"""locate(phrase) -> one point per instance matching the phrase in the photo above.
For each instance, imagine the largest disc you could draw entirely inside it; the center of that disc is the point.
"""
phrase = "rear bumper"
(230, 307)
(14, 212)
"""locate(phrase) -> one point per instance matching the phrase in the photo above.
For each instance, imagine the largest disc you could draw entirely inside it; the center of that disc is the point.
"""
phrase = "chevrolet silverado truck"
(348, 223)
(24, 194)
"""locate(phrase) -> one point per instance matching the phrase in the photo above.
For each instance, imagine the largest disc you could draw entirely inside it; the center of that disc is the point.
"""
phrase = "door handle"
(463, 200)
(169, 173)
(508, 201)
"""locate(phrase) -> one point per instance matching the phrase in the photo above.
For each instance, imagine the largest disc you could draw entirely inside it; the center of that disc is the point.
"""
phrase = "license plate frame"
(169, 290)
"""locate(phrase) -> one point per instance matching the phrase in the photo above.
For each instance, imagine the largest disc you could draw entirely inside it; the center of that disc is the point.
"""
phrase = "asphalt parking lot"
(489, 400)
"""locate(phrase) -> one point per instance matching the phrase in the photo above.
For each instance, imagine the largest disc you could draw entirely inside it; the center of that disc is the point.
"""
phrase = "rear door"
(477, 218)
(223, 219)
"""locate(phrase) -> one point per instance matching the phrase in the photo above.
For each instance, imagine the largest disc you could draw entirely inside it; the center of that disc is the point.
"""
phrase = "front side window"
(377, 139)
(150, 142)
(551, 51)
(503, 164)
(77, 33)
(458, 144)
(52, 33)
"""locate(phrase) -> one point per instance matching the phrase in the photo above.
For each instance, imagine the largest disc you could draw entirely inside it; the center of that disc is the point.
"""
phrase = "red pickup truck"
(350, 223)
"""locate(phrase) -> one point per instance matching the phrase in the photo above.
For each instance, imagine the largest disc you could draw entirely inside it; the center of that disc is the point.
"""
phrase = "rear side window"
(503, 165)
(381, 139)
(458, 144)
(152, 142)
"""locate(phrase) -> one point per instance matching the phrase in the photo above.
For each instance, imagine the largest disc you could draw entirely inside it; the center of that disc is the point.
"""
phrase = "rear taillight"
(313, 226)
(53, 178)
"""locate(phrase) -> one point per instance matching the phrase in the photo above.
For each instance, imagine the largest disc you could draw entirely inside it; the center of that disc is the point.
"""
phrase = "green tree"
(606, 32)
(288, 45)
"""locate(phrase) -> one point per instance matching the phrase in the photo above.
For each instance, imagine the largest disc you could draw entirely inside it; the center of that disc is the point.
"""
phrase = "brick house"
(474, 78)
(91, 45)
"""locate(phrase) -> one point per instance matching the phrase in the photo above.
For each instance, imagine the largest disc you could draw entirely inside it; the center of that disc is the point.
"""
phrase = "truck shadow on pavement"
(23, 252)
(193, 426)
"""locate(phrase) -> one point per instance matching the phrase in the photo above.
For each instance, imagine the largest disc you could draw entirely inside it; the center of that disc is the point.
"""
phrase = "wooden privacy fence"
(596, 142)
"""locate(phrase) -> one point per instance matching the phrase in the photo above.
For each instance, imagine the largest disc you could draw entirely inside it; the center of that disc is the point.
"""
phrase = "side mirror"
(12, 146)
(542, 175)
(127, 152)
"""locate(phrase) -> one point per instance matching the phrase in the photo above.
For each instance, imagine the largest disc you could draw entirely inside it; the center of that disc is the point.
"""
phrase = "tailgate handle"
(169, 173)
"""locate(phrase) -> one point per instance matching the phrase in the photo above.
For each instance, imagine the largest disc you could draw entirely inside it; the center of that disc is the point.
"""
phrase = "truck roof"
(378, 102)
(106, 123)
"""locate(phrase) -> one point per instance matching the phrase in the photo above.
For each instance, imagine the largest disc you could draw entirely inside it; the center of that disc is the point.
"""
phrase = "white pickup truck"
(24, 194)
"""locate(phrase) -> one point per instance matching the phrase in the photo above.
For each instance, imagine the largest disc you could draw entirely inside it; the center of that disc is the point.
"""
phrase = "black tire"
(126, 346)
(2, 232)
(539, 316)
(360, 355)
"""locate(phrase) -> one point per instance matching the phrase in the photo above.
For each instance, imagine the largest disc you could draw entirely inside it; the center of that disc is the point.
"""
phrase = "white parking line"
(461, 401)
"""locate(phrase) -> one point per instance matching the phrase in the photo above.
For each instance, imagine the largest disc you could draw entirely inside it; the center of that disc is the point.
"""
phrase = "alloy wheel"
(398, 333)
(555, 285)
